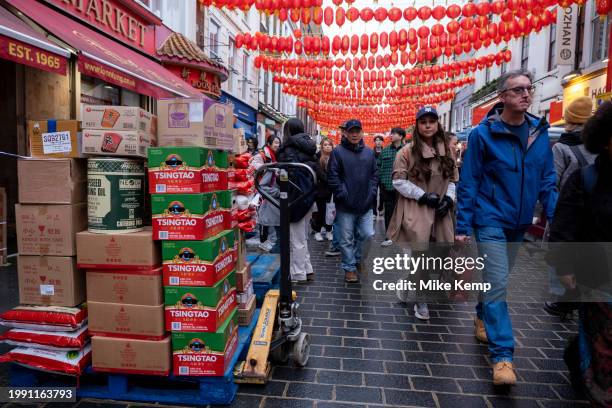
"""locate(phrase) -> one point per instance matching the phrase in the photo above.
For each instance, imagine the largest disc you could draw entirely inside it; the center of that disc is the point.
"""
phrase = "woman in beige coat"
(424, 174)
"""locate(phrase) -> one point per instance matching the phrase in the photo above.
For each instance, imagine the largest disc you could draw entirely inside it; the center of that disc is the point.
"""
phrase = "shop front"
(479, 112)
(245, 115)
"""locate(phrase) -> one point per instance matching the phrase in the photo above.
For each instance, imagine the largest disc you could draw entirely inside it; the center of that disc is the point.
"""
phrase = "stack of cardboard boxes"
(192, 216)
(124, 281)
(51, 210)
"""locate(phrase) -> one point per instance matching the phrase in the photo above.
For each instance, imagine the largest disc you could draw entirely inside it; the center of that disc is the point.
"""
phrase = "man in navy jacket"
(352, 175)
(507, 168)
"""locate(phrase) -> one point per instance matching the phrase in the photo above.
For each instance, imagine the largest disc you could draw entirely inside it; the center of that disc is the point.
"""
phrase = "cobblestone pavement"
(369, 351)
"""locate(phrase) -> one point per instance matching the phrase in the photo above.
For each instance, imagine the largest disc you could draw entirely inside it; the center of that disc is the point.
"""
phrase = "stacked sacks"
(192, 216)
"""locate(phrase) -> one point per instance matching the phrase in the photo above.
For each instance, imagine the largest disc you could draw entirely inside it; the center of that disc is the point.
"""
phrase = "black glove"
(429, 199)
(445, 205)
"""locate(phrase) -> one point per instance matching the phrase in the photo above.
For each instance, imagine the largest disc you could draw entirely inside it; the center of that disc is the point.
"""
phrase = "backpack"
(589, 178)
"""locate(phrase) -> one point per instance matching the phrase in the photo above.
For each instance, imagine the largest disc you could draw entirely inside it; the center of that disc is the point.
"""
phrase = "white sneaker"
(318, 237)
(266, 246)
(386, 243)
(421, 311)
(329, 235)
(253, 242)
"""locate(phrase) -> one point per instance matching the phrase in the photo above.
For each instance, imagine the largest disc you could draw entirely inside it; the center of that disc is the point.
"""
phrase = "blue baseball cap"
(352, 123)
(427, 110)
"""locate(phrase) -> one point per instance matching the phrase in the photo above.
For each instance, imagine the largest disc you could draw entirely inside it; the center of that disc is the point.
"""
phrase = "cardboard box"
(127, 287)
(205, 354)
(240, 144)
(49, 229)
(126, 320)
(50, 281)
(186, 170)
(241, 249)
(198, 263)
(242, 298)
(55, 138)
(195, 122)
(245, 314)
(134, 251)
(242, 277)
(59, 181)
(116, 142)
(179, 217)
(190, 308)
(117, 118)
(3, 205)
(116, 355)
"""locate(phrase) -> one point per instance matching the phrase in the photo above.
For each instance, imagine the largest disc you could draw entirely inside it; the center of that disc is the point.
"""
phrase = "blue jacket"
(501, 181)
(352, 175)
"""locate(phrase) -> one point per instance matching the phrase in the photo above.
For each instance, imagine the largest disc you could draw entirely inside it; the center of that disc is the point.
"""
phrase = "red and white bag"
(71, 362)
(45, 318)
(46, 340)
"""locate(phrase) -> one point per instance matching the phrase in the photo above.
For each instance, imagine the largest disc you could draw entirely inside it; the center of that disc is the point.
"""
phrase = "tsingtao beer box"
(198, 263)
(200, 309)
(187, 170)
(179, 217)
(205, 354)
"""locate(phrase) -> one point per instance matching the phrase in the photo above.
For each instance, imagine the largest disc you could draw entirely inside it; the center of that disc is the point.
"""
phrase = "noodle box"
(118, 118)
(130, 356)
(116, 142)
(205, 354)
(200, 309)
(198, 263)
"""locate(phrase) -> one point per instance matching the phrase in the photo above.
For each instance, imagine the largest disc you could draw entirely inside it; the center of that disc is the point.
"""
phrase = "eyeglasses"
(520, 90)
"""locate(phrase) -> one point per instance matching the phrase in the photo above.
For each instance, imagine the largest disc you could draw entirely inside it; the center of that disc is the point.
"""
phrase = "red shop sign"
(113, 18)
(206, 82)
(32, 56)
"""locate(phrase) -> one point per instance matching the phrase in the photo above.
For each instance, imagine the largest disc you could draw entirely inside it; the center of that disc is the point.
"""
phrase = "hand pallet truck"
(278, 333)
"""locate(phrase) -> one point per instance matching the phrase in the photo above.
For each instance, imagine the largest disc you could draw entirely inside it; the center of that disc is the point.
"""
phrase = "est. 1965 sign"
(113, 18)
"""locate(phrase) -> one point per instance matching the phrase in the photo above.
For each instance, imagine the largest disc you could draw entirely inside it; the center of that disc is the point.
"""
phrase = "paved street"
(369, 351)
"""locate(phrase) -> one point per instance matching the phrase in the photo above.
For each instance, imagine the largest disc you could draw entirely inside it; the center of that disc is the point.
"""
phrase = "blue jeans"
(354, 231)
(493, 308)
(335, 244)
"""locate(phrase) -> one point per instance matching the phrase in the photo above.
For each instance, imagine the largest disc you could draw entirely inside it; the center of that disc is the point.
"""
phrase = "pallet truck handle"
(283, 166)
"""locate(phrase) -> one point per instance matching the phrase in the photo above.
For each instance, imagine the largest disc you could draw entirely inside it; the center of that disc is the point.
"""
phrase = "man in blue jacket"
(352, 175)
(508, 166)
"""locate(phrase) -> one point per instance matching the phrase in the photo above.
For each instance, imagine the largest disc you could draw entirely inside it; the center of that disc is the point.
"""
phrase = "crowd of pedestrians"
(507, 169)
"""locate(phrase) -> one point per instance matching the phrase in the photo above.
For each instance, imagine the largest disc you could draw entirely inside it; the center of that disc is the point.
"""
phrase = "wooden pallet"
(194, 391)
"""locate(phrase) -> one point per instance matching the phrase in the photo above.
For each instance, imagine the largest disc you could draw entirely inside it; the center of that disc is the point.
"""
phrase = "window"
(487, 75)
(504, 67)
(601, 28)
(552, 49)
(213, 35)
(525, 52)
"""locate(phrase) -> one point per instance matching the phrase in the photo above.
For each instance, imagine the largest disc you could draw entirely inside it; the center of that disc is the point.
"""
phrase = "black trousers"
(389, 200)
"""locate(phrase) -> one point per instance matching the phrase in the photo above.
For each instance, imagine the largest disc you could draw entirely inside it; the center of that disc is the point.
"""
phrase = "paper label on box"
(56, 142)
(47, 290)
(196, 111)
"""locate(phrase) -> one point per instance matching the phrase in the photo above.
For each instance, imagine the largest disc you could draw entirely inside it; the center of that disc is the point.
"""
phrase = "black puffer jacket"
(323, 190)
(300, 148)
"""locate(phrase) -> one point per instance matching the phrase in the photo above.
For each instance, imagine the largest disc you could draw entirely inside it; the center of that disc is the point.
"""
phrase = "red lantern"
(366, 14)
(346, 44)
(468, 10)
(298, 47)
(354, 44)
(373, 42)
(394, 14)
(423, 32)
(239, 40)
(380, 14)
(438, 12)
(317, 16)
(297, 33)
(283, 15)
(340, 17)
(336, 45)
(410, 13)
(352, 14)
(498, 6)
(384, 39)
(328, 16)
(424, 12)
(467, 23)
(483, 8)
(295, 15)
(393, 39)
(437, 29)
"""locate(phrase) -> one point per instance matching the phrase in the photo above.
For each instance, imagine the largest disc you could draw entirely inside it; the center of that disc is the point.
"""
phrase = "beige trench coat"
(413, 223)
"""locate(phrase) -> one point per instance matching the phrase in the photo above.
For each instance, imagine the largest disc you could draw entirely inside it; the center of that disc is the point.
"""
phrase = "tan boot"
(351, 277)
(479, 330)
(503, 373)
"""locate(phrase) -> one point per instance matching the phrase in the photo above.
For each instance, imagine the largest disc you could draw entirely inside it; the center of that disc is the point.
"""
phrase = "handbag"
(330, 212)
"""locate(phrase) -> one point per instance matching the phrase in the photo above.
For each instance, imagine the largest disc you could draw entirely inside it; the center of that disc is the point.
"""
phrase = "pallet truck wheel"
(281, 353)
(301, 350)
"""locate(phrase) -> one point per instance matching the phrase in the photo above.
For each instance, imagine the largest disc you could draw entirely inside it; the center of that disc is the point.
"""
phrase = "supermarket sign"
(131, 24)
(26, 54)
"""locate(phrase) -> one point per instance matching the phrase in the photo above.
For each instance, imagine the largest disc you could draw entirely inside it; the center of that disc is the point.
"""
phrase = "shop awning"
(22, 44)
(101, 57)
